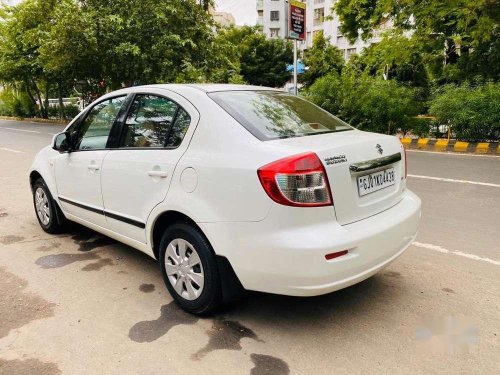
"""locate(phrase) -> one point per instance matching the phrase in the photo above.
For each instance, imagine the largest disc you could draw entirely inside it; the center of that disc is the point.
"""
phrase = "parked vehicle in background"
(230, 188)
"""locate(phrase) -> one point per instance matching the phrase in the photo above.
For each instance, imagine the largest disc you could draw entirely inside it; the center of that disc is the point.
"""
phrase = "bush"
(16, 105)
(71, 111)
(472, 111)
(368, 103)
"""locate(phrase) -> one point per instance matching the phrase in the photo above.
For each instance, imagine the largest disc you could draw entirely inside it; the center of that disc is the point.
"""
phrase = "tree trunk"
(61, 103)
(39, 98)
(46, 102)
(28, 91)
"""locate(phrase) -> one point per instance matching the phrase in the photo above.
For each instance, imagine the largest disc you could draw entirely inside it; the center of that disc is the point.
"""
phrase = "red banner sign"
(297, 20)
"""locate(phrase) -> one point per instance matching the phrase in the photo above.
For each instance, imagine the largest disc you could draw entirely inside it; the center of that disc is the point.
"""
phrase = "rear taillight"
(299, 181)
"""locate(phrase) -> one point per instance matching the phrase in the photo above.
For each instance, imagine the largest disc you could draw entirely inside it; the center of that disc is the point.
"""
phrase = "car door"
(136, 176)
(78, 173)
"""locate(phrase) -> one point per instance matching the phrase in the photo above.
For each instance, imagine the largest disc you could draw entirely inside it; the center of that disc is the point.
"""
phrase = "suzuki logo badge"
(379, 149)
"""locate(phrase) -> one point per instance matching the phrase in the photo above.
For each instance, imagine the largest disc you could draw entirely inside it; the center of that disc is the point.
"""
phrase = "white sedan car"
(230, 188)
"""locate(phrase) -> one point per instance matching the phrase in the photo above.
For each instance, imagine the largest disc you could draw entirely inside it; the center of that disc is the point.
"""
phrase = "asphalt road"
(80, 303)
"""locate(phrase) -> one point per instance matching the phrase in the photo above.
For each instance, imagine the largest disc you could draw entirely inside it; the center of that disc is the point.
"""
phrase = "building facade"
(224, 19)
(271, 18)
(320, 17)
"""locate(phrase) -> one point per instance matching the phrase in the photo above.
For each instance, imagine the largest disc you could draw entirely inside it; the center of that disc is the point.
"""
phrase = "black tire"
(56, 222)
(211, 294)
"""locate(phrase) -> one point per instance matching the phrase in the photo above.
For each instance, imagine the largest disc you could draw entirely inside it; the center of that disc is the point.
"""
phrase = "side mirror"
(62, 142)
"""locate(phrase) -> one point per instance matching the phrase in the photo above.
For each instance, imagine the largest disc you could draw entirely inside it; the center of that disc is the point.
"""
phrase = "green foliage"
(321, 59)
(69, 111)
(465, 30)
(260, 61)
(15, 104)
(366, 102)
(472, 111)
(49, 45)
(398, 57)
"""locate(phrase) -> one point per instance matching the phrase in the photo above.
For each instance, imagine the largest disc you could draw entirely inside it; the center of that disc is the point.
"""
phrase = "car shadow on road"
(376, 295)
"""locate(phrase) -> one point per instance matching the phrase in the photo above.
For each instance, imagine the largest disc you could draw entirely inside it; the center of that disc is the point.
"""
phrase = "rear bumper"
(285, 253)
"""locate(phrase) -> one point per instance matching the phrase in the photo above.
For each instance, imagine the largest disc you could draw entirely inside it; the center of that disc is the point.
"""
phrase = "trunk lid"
(351, 154)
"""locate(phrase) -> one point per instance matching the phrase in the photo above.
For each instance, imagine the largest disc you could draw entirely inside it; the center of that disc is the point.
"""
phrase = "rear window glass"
(272, 114)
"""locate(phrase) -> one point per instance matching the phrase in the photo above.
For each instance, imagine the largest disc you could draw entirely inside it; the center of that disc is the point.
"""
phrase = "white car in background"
(230, 188)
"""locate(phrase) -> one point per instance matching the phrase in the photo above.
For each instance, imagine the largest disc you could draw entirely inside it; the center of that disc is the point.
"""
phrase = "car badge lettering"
(336, 159)
(379, 149)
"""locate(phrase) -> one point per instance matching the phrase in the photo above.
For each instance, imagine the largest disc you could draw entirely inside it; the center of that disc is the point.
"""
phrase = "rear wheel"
(189, 269)
(47, 212)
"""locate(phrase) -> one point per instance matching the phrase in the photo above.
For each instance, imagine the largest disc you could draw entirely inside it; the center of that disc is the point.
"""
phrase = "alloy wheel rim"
(42, 206)
(184, 269)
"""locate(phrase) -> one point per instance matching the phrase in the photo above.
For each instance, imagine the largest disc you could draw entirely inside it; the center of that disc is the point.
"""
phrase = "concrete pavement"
(80, 303)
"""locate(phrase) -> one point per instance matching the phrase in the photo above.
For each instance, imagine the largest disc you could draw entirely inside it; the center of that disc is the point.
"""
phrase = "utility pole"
(296, 14)
(295, 83)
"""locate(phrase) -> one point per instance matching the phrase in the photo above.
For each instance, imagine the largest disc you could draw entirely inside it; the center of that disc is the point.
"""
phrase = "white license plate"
(375, 181)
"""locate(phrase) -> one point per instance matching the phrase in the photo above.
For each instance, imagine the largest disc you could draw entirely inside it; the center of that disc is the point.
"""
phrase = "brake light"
(299, 181)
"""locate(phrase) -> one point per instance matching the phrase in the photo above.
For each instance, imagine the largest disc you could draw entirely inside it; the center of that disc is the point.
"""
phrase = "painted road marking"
(20, 130)
(11, 150)
(454, 153)
(455, 252)
(452, 180)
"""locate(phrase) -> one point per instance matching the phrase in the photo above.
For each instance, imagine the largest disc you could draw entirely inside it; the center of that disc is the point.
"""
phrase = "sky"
(244, 11)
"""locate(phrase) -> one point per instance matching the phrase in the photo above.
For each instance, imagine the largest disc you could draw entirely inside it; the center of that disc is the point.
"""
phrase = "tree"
(396, 57)
(368, 103)
(21, 32)
(452, 33)
(321, 59)
(259, 61)
(263, 61)
(48, 46)
(174, 40)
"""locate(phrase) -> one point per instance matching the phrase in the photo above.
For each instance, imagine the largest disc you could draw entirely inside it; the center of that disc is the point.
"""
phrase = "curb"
(443, 145)
(36, 119)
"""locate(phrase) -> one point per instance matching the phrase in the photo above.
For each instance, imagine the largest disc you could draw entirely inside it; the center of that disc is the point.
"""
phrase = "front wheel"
(46, 208)
(189, 269)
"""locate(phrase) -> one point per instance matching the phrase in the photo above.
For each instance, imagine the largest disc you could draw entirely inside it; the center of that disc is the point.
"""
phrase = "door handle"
(93, 167)
(159, 174)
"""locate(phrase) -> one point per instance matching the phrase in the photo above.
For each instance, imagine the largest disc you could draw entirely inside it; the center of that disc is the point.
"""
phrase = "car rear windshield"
(272, 114)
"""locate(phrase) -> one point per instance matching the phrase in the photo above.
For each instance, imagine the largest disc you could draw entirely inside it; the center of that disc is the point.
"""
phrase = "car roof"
(208, 87)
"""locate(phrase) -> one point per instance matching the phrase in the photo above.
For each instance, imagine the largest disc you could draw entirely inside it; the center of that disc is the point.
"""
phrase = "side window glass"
(179, 129)
(149, 121)
(94, 131)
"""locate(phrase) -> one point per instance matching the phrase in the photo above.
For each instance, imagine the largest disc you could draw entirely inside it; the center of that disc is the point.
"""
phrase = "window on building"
(349, 52)
(275, 15)
(340, 39)
(274, 32)
(260, 13)
(319, 15)
(339, 31)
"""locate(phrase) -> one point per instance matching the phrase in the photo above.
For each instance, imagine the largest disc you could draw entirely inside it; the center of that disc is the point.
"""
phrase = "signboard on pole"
(297, 20)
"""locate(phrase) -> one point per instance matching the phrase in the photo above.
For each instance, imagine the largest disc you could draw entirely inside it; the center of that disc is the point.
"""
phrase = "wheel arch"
(231, 285)
(162, 222)
(34, 175)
